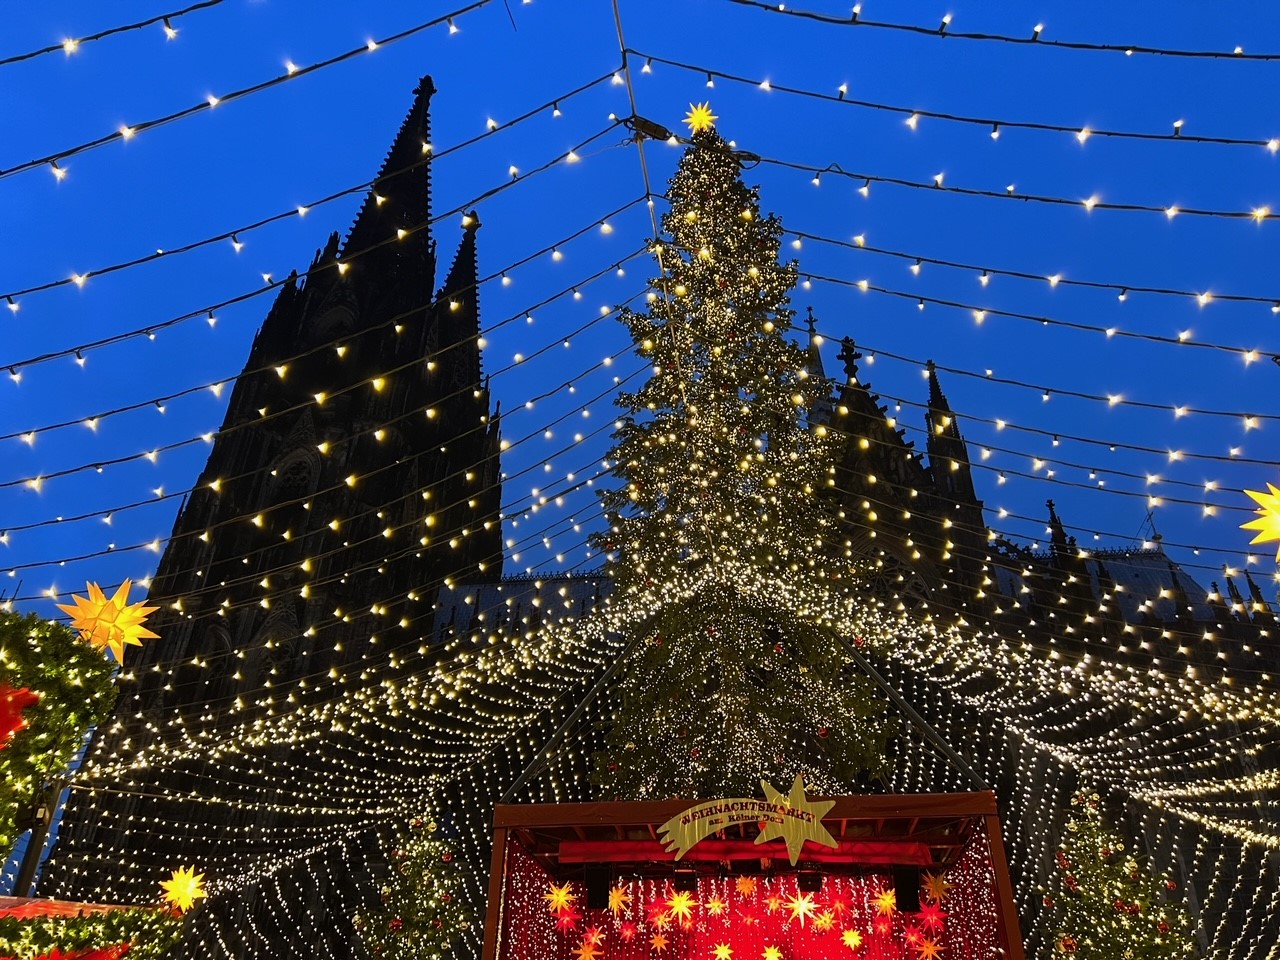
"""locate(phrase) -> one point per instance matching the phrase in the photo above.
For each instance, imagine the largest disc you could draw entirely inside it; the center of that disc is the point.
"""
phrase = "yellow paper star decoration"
(886, 902)
(852, 939)
(619, 899)
(1268, 521)
(772, 953)
(723, 952)
(559, 899)
(680, 906)
(700, 117)
(801, 906)
(936, 887)
(111, 624)
(184, 888)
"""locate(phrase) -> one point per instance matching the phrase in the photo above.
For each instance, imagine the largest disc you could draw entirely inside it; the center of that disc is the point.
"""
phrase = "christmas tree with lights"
(727, 553)
(1107, 907)
(423, 909)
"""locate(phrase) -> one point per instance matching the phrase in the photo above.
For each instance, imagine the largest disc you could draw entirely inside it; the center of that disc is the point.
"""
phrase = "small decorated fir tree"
(728, 558)
(1106, 906)
(423, 910)
(54, 686)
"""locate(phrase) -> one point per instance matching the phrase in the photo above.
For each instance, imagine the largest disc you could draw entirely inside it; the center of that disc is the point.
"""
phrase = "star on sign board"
(795, 830)
(700, 117)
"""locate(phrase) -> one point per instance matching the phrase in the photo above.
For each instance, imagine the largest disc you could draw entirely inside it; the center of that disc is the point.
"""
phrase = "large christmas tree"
(725, 547)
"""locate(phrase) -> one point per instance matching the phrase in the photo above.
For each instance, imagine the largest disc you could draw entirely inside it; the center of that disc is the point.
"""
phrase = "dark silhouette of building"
(355, 472)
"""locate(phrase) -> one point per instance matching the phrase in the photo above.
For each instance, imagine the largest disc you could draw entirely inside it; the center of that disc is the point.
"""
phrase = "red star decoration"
(931, 916)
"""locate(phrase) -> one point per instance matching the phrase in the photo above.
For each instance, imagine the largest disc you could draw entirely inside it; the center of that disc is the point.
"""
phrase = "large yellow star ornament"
(700, 117)
(111, 624)
(184, 888)
(800, 820)
(1268, 521)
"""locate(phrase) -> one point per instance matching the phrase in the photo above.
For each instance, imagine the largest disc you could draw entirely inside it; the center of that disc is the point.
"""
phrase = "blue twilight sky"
(320, 133)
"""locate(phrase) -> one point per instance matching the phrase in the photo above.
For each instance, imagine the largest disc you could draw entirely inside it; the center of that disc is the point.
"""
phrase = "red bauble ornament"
(859, 641)
(1162, 926)
(447, 856)
(777, 648)
(613, 766)
(1106, 852)
(446, 898)
(1171, 885)
(395, 925)
(695, 753)
(1118, 906)
(1048, 901)
(822, 732)
(1068, 944)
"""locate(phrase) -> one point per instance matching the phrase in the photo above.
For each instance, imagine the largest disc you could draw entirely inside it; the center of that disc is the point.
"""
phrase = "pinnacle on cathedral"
(359, 440)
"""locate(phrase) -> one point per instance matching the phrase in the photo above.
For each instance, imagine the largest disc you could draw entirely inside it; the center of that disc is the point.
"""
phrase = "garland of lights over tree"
(721, 541)
(1105, 906)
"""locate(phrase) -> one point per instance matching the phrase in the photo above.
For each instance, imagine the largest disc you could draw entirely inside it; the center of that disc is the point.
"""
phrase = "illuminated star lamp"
(183, 889)
(109, 624)
(700, 117)
(1267, 522)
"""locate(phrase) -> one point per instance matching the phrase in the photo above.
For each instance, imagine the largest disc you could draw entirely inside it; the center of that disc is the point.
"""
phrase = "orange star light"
(928, 950)
(658, 942)
(619, 900)
(593, 936)
(745, 885)
(559, 899)
(588, 951)
(700, 117)
(1268, 521)
(936, 887)
(184, 888)
(886, 902)
(109, 624)
(715, 906)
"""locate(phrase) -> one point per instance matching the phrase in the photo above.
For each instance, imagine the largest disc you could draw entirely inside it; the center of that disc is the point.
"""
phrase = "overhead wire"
(1031, 38)
(202, 313)
(293, 72)
(71, 45)
(995, 124)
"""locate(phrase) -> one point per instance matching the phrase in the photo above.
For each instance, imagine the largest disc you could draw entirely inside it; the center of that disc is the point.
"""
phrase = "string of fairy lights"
(168, 22)
(292, 71)
(994, 125)
(234, 235)
(468, 717)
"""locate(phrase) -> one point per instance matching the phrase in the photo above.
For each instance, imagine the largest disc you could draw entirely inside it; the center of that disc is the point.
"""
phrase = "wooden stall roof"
(921, 830)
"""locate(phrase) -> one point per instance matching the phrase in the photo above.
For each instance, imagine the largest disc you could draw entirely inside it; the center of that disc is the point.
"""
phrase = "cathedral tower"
(355, 472)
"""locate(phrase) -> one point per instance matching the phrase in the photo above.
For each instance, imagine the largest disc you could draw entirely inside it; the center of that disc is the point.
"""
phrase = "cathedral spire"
(1262, 612)
(822, 410)
(948, 455)
(397, 211)
(459, 302)
(1057, 533)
